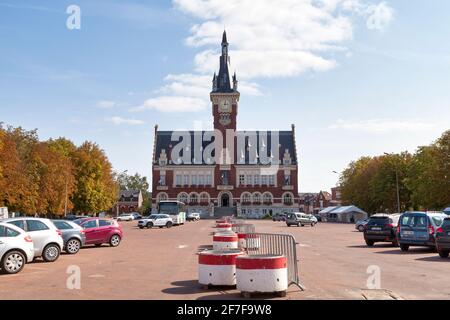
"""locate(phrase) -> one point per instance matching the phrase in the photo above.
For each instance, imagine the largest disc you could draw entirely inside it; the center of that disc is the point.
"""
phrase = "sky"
(356, 77)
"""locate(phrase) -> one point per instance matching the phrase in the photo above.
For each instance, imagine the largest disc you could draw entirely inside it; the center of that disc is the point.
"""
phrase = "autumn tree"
(95, 190)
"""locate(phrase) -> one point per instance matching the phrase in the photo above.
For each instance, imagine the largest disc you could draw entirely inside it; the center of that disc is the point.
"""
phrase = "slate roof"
(286, 141)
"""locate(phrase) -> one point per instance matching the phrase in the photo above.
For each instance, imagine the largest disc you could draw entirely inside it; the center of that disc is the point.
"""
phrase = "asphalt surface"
(162, 264)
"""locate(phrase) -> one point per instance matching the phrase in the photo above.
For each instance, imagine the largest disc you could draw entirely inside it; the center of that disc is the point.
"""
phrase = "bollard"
(223, 227)
(218, 268)
(262, 274)
(225, 241)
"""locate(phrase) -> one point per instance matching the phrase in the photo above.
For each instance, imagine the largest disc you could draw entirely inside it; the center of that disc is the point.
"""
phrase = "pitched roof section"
(263, 145)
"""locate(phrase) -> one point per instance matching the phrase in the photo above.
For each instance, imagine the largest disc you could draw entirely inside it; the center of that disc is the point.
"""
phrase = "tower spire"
(223, 78)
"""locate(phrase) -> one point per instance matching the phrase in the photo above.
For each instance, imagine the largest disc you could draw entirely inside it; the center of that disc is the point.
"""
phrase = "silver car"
(47, 239)
(73, 235)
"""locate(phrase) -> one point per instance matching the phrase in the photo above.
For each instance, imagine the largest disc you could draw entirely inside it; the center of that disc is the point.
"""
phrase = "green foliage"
(423, 179)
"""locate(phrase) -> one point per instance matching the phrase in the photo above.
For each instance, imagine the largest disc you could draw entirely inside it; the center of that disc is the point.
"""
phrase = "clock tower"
(224, 95)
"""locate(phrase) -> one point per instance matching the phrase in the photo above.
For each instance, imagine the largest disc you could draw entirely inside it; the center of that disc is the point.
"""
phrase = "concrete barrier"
(262, 274)
(218, 268)
(225, 241)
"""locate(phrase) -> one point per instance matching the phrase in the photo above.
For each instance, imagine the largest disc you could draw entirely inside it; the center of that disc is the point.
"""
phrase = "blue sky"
(355, 77)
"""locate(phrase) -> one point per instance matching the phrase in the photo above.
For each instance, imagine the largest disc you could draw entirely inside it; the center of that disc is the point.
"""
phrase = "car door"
(104, 229)
(39, 233)
(90, 230)
(3, 241)
(159, 221)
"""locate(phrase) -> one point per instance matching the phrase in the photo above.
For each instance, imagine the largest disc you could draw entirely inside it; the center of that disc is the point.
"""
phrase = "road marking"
(304, 245)
(181, 246)
(96, 276)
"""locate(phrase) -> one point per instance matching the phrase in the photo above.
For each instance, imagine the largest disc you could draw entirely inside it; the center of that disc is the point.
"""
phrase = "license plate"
(376, 228)
(408, 233)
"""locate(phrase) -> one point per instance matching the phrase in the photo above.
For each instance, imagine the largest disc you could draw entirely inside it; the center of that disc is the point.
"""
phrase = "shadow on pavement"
(185, 287)
(410, 251)
(204, 247)
(433, 259)
(384, 245)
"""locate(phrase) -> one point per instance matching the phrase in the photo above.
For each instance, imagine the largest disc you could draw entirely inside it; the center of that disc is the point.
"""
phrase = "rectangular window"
(201, 180)
(208, 180)
(241, 180)
(287, 179)
(162, 180)
(194, 180)
(256, 179)
(272, 180)
(178, 179)
(249, 181)
(186, 179)
(264, 180)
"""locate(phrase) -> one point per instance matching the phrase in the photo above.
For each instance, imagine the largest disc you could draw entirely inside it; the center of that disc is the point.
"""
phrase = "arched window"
(193, 197)
(162, 196)
(288, 199)
(183, 197)
(256, 197)
(204, 198)
(267, 198)
(246, 197)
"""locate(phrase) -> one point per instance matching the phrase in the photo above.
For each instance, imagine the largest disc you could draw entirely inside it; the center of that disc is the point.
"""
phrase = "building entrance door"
(225, 200)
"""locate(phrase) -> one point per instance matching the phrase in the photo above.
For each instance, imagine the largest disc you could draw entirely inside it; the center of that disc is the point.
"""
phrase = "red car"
(101, 230)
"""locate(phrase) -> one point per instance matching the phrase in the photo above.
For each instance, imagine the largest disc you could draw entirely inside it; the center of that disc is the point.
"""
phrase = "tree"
(429, 175)
(96, 190)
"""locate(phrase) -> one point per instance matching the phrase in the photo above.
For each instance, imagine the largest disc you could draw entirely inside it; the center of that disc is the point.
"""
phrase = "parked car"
(359, 225)
(300, 219)
(193, 216)
(418, 229)
(101, 230)
(136, 216)
(16, 248)
(156, 220)
(443, 238)
(72, 234)
(125, 217)
(318, 217)
(381, 227)
(279, 217)
(47, 239)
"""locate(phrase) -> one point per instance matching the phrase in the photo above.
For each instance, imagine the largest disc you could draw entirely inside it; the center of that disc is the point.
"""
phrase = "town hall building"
(225, 171)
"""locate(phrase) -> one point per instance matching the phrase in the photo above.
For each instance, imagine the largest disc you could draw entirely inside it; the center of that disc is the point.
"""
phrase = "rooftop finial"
(224, 37)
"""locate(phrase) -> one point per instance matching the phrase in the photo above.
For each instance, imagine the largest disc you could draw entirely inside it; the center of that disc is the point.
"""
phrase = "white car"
(47, 239)
(155, 220)
(193, 216)
(16, 248)
(125, 217)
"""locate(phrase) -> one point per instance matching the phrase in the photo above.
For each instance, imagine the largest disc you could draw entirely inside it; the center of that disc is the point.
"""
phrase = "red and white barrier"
(225, 241)
(261, 273)
(223, 227)
(248, 241)
(218, 268)
(221, 221)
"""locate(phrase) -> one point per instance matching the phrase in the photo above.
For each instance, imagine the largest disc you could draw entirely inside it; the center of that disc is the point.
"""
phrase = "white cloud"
(384, 125)
(173, 104)
(266, 41)
(379, 16)
(106, 104)
(120, 120)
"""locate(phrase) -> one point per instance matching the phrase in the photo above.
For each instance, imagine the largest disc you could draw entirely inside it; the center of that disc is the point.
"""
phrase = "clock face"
(225, 105)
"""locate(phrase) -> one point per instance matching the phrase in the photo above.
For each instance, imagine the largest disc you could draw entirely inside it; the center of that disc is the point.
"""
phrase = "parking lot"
(162, 264)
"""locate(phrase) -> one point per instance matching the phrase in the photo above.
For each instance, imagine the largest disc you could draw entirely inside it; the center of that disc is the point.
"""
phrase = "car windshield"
(418, 221)
(152, 216)
(378, 221)
(446, 223)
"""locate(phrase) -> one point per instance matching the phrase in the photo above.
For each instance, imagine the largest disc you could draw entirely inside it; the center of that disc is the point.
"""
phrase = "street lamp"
(396, 182)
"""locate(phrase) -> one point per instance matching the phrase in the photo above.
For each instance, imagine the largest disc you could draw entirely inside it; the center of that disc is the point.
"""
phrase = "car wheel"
(302, 225)
(443, 253)
(149, 225)
(369, 243)
(169, 224)
(404, 247)
(13, 262)
(114, 241)
(288, 224)
(312, 224)
(361, 228)
(73, 246)
(51, 253)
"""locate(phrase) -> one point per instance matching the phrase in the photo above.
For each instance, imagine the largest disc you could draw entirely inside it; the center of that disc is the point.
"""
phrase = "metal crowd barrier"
(243, 228)
(285, 244)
